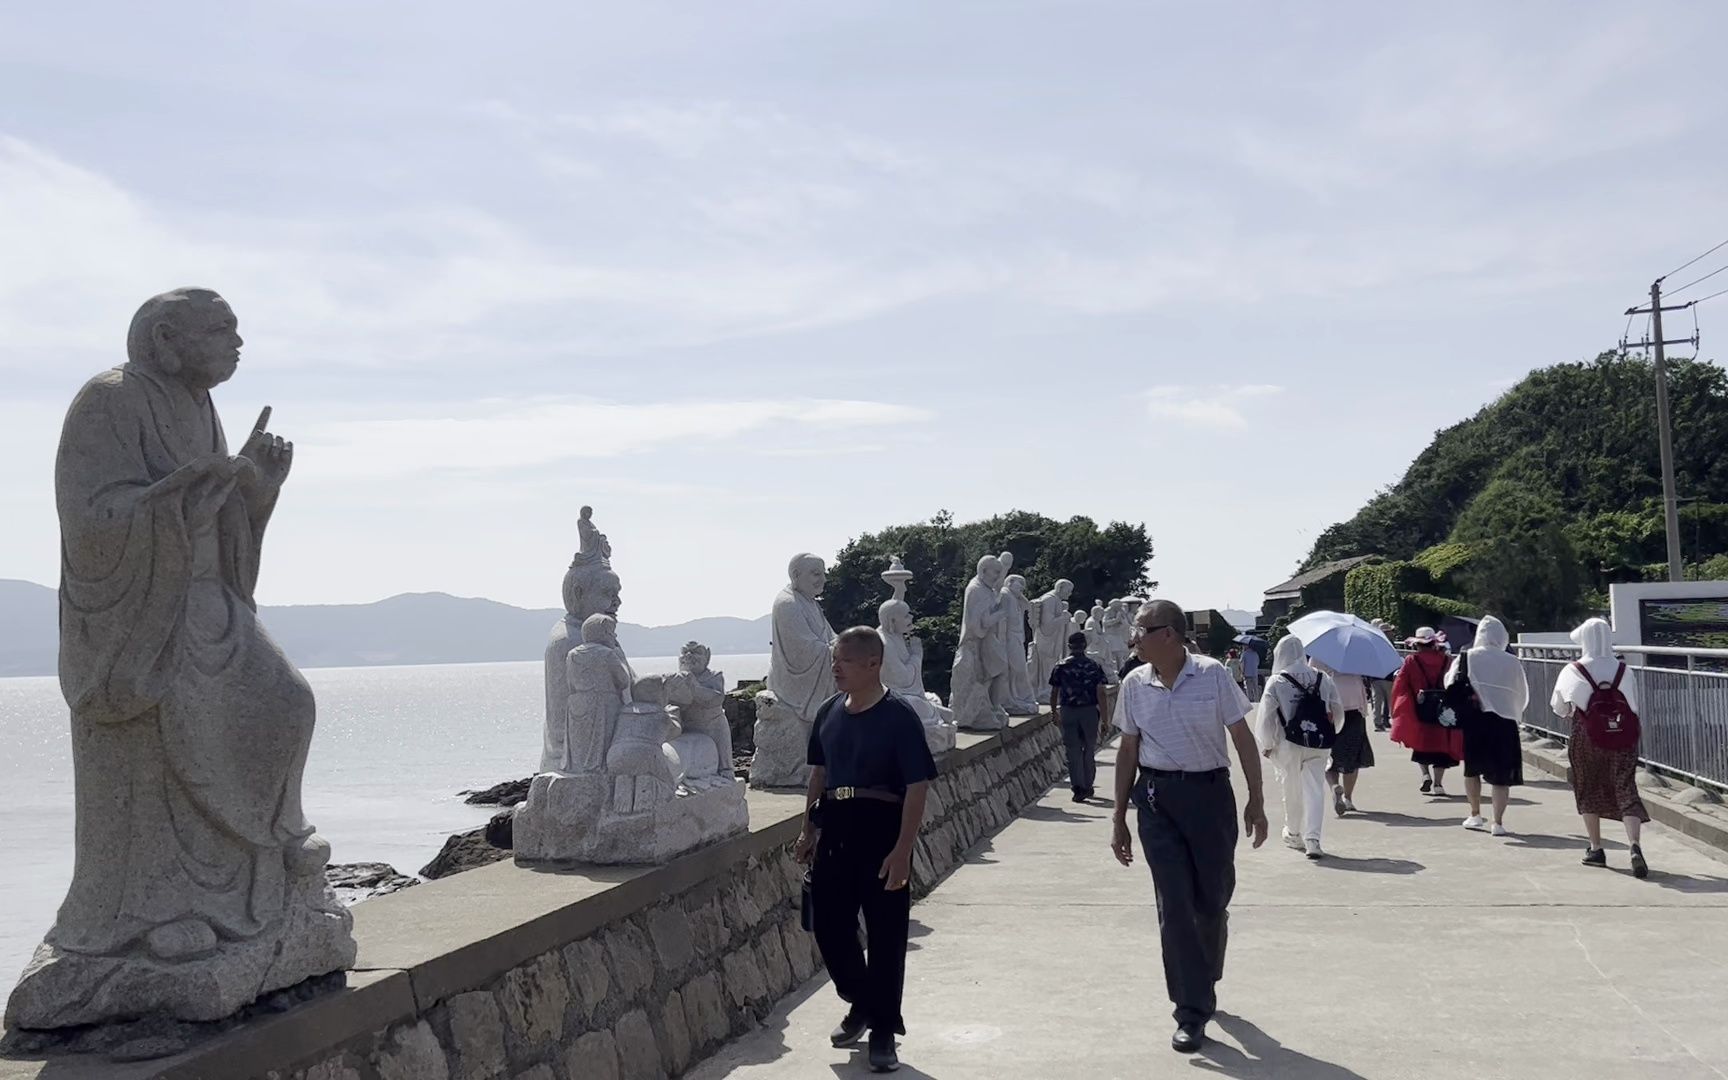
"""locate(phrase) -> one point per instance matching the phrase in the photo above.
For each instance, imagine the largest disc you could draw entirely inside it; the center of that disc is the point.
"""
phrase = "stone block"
(630, 959)
(334, 1069)
(705, 1015)
(708, 927)
(742, 910)
(534, 997)
(674, 1031)
(590, 980)
(638, 1055)
(674, 943)
(800, 951)
(476, 1036)
(593, 1057)
(743, 972)
(535, 1072)
(412, 1052)
(776, 968)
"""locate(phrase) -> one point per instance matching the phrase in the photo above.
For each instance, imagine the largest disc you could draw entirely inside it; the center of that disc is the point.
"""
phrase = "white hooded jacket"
(1280, 695)
(1572, 691)
(1495, 674)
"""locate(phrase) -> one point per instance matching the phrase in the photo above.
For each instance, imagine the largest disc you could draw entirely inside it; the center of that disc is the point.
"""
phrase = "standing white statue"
(622, 780)
(980, 676)
(1021, 696)
(198, 884)
(1077, 624)
(1118, 624)
(1098, 643)
(1050, 630)
(590, 588)
(800, 677)
(903, 662)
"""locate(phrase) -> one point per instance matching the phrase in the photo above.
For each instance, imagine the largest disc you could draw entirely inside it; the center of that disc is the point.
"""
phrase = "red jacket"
(1423, 669)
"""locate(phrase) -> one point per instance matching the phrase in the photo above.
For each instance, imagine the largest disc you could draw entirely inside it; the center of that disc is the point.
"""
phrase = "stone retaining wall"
(637, 979)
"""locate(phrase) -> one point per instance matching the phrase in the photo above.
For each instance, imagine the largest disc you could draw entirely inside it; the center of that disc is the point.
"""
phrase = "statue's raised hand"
(272, 457)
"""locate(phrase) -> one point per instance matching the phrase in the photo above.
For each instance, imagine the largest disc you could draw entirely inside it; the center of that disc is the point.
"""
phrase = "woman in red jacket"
(1434, 747)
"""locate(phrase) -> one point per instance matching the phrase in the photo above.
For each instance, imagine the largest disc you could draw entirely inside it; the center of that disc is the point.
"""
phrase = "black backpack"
(1310, 725)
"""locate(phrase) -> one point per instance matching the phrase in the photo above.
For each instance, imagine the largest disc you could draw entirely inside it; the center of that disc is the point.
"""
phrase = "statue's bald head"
(189, 334)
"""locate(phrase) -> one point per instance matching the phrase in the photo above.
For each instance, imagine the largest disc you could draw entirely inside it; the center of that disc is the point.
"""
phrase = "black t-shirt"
(882, 747)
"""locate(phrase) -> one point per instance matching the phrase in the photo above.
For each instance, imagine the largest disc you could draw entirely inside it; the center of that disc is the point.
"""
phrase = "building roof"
(1295, 585)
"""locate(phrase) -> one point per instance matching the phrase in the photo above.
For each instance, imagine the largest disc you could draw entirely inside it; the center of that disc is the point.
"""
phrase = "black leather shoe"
(882, 1055)
(1595, 857)
(1640, 868)
(1188, 1038)
(851, 1029)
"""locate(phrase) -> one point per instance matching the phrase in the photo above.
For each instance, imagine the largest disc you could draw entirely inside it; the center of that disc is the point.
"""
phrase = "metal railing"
(1682, 706)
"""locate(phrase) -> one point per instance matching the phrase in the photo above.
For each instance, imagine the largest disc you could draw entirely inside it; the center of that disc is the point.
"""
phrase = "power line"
(1712, 296)
(1689, 262)
(1695, 281)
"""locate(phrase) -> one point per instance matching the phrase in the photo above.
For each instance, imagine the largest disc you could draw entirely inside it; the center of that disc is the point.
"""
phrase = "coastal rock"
(508, 793)
(740, 706)
(354, 882)
(463, 851)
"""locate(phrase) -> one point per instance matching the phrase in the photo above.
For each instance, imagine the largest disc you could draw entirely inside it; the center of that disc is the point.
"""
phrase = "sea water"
(393, 748)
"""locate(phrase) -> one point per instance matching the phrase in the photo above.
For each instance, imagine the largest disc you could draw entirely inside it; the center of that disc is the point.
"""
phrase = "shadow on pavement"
(740, 1052)
(1391, 817)
(1687, 883)
(1549, 843)
(1053, 813)
(859, 1065)
(1370, 866)
(1266, 1057)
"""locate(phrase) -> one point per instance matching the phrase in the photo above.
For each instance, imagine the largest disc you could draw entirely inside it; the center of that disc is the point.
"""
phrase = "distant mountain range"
(414, 628)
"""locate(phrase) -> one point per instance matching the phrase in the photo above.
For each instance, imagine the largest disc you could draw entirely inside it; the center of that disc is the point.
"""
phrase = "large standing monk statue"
(198, 884)
(979, 680)
(800, 670)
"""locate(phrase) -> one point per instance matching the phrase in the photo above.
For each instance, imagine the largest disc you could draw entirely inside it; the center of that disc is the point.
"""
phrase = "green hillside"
(1533, 506)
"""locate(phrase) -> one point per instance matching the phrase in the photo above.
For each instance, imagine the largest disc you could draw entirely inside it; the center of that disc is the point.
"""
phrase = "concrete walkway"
(1415, 949)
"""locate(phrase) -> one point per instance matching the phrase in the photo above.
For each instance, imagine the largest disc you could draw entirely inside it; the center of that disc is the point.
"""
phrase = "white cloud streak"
(1222, 408)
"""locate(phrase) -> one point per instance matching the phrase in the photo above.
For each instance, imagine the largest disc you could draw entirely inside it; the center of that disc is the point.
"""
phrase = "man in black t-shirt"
(870, 774)
(1078, 692)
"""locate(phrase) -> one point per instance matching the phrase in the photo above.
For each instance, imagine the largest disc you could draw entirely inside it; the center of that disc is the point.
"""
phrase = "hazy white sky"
(753, 278)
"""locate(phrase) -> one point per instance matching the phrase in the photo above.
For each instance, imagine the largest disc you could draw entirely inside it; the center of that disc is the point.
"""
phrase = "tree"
(1102, 563)
(1521, 567)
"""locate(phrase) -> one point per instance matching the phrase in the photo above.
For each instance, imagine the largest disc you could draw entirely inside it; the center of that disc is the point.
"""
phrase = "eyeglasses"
(1142, 631)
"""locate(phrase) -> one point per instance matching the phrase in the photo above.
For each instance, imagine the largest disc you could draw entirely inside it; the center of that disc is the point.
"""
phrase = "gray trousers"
(1080, 737)
(1188, 834)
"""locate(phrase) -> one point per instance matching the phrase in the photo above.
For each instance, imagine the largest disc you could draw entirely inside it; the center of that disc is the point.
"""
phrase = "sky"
(755, 278)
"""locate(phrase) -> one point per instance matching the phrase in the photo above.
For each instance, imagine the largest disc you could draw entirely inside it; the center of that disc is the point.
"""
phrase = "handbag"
(1436, 705)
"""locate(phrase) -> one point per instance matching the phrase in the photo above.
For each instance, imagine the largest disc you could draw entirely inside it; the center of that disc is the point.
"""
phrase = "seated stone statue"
(699, 695)
(645, 768)
(198, 883)
(599, 681)
(903, 673)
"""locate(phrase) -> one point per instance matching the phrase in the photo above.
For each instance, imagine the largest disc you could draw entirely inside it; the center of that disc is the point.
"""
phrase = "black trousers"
(857, 834)
(1188, 834)
(1080, 737)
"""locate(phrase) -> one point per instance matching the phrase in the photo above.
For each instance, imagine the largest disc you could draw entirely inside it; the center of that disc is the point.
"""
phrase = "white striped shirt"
(1181, 728)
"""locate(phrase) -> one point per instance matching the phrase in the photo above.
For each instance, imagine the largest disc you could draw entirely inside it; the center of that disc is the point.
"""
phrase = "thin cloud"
(509, 435)
(1217, 407)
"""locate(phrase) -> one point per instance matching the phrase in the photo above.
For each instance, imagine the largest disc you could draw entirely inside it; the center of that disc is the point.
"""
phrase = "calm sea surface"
(392, 748)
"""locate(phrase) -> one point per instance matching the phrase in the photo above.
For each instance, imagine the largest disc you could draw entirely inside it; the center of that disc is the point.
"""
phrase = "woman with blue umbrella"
(1348, 649)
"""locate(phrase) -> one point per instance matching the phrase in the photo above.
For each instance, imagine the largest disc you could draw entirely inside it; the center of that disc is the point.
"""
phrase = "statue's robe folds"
(800, 668)
(190, 728)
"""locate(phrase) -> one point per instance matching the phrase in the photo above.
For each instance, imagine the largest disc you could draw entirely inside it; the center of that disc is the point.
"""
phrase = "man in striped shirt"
(1174, 766)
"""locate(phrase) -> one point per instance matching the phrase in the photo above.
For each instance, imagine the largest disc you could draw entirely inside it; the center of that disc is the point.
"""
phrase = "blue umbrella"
(1346, 644)
(1254, 642)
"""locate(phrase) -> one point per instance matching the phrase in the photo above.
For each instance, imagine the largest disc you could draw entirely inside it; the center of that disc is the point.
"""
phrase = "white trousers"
(1303, 773)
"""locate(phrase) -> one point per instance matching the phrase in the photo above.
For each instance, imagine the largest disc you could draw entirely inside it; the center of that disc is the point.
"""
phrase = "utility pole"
(1670, 505)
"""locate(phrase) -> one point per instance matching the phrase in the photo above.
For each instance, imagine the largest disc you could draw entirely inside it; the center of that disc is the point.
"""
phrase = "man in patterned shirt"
(1077, 695)
(1178, 713)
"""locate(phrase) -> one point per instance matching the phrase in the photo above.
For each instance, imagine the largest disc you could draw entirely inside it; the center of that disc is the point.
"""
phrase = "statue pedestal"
(65, 989)
(990, 719)
(939, 737)
(782, 745)
(572, 819)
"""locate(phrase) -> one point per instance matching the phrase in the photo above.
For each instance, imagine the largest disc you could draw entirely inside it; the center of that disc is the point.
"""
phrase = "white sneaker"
(1499, 830)
(1292, 841)
(1312, 847)
(1476, 823)
(1349, 804)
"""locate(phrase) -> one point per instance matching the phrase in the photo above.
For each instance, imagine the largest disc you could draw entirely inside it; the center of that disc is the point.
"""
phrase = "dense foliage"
(1531, 508)
(1102, 563)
